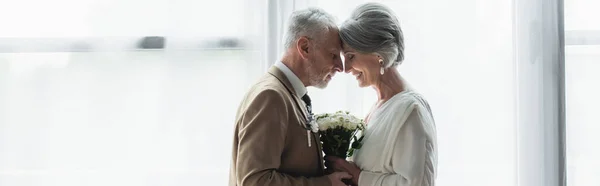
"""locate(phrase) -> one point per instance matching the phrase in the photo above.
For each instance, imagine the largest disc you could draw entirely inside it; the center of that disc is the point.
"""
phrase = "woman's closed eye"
(349, 56)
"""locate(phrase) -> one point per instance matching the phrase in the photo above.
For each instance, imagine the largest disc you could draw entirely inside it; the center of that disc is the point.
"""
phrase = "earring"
(382, 70)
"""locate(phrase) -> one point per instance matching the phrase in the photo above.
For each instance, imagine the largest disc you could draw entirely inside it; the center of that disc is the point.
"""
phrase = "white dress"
(400, 146)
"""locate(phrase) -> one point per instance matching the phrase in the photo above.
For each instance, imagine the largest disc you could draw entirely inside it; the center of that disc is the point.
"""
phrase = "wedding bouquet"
(337, 130)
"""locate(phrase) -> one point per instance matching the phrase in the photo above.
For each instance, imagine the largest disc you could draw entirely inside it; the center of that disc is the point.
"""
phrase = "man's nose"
(347, 67)
(338, 66)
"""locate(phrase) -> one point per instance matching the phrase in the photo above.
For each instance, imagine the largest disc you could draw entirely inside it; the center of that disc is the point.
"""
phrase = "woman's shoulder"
(413, 108)
(409, 102)
(420, 100)
(407, 98)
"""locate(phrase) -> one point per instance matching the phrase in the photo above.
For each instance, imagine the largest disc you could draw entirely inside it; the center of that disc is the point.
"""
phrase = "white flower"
(338, 119)
(314, 127)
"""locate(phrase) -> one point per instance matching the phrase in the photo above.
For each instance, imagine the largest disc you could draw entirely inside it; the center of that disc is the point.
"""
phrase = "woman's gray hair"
(374, 28)
(311, 22)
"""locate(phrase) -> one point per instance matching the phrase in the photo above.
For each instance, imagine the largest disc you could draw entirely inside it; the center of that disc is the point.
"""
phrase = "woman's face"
(365, 67)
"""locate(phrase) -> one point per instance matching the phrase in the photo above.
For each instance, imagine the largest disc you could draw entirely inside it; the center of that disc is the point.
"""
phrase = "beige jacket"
(270, 145)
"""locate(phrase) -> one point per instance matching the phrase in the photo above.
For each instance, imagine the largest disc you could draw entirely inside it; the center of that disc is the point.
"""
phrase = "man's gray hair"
(311, 22)
(374, 28)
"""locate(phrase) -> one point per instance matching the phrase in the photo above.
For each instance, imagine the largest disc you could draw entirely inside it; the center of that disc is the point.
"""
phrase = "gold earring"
(382, 70)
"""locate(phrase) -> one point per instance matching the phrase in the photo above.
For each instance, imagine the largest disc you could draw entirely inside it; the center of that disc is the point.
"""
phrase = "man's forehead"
(332, 41)
(335, 49)
(335, 45)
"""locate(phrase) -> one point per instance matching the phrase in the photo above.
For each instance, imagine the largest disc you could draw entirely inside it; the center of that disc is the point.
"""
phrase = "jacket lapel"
(274, 71)
(297, 101)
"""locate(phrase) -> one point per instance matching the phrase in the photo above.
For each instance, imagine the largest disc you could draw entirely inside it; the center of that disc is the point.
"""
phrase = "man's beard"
(314, 77)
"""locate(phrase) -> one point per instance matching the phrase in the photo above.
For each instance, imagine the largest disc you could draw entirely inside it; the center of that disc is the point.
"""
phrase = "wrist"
(356, 176)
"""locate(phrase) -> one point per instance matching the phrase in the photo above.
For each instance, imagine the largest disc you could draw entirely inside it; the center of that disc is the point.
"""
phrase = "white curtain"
(540, 70)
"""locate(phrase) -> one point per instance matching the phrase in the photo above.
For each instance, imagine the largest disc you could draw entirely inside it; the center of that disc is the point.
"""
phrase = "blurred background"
(144, 92)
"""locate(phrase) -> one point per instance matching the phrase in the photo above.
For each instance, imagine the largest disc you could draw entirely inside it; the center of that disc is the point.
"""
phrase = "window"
(582, 63)
(91, 94)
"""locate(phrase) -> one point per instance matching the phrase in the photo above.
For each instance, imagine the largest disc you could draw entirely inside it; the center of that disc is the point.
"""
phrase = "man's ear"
(303, 45)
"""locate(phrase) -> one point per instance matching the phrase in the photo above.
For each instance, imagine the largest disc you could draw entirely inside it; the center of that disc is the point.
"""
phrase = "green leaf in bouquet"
(338, 139)
(359, 142)
(355, 143)
(321, 116)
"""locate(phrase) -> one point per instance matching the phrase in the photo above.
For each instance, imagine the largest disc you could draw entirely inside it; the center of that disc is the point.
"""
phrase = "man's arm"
(261, 142)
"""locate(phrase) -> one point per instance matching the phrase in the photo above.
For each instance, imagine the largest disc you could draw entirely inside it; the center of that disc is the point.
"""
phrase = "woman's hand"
(341, 165)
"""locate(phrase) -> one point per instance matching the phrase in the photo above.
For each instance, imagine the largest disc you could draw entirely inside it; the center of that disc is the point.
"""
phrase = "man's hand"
(336, 178)
(341, 165)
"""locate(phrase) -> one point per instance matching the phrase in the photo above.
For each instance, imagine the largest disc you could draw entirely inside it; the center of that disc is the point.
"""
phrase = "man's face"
(325, 61)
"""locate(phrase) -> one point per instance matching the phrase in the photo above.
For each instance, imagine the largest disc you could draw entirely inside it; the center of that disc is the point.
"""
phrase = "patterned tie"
(306, 100)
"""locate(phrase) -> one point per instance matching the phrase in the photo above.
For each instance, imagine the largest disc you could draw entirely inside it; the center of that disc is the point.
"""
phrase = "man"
(273, 143)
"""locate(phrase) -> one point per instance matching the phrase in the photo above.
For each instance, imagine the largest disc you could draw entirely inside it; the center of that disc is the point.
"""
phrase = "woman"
(399, 147)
